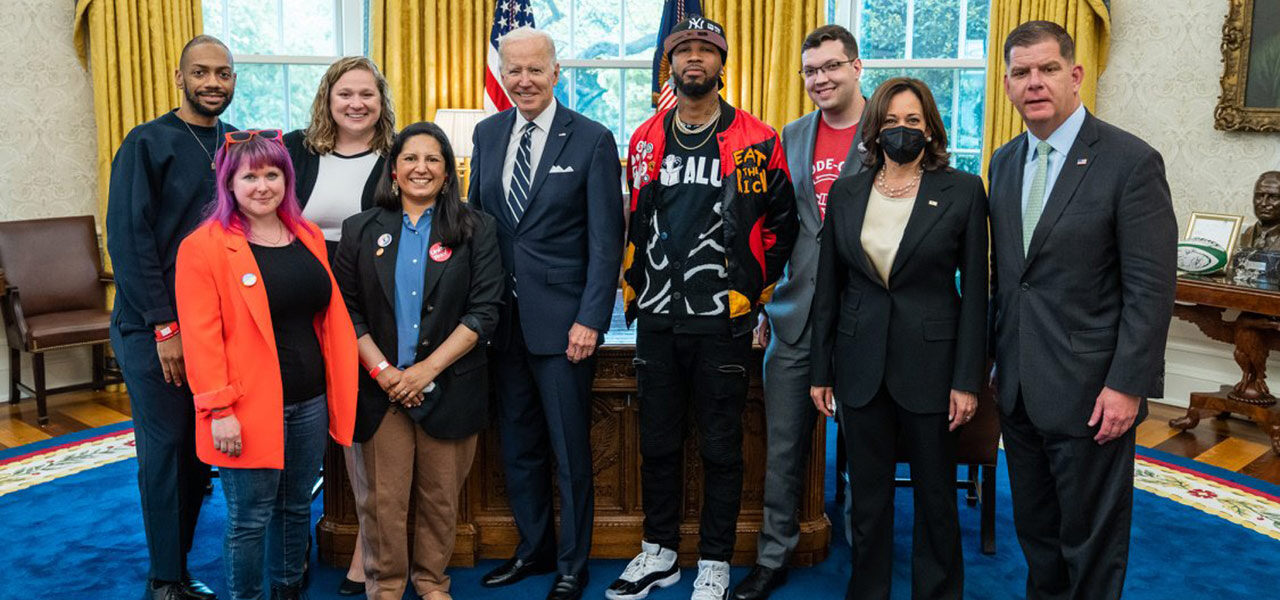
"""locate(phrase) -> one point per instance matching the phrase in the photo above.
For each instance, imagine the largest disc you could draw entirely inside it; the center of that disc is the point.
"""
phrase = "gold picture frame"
(1250, 99)
(1223, 229)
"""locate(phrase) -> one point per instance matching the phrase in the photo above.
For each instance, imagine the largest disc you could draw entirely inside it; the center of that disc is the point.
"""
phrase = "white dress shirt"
(538, 141)
(1061, 140)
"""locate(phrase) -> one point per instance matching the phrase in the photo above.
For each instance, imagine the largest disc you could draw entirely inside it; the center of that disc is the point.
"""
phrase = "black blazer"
(466, 288)
(1090, 303)
(306, 166)
(918, 335)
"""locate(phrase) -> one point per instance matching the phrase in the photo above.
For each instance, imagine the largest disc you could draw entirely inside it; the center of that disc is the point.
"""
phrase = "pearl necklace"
(898, 192)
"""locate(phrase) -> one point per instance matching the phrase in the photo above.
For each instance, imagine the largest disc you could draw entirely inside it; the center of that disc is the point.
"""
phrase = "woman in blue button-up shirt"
(423, 281)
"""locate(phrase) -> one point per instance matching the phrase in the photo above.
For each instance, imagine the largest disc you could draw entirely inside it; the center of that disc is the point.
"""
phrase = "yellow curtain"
(132, 48)
(432, 52)
(764, 54)
(1088, 21)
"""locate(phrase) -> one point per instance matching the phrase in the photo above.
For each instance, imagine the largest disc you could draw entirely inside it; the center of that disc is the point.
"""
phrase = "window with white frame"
(943, 43)
(281, 49)
(605, 49)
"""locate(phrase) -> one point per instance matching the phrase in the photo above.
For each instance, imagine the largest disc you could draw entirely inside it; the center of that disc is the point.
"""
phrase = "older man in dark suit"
(1084, 236)
(552, 179)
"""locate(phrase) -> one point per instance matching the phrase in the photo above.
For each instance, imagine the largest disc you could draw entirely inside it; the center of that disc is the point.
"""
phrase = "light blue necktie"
(518, 197)
(1035, 198)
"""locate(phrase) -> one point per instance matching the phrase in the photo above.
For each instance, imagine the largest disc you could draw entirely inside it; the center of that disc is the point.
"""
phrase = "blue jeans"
(269, 510)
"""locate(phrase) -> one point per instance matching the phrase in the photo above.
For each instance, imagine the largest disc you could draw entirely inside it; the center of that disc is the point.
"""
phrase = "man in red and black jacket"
(713, 221)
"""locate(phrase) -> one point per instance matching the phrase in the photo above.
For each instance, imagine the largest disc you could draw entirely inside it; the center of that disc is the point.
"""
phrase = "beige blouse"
(882, 229)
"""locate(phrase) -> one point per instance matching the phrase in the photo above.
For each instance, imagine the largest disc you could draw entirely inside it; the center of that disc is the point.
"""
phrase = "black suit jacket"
(1090, 303)
(565, 253)
(466, 288)
(918, 335)
(306, 166)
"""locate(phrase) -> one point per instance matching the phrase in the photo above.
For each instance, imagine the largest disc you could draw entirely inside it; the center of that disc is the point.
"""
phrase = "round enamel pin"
(248, 279)
(439, 252)
(384, 240)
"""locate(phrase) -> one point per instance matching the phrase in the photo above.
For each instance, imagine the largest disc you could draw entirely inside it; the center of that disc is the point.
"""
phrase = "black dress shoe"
(760, 582)
(194, 589)
(286, 592)
(350, 588)
(568, 587)
(514, 570)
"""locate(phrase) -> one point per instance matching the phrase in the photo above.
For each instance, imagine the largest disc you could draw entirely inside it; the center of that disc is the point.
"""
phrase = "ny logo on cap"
(697, 23)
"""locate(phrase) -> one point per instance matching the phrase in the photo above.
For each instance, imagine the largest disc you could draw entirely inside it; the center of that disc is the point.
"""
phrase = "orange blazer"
(230, 348)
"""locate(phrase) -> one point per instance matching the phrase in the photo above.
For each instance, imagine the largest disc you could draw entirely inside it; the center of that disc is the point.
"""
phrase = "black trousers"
(1072, 509)
(544, 418)
(705, 373)
(171, 480)
(871, 435)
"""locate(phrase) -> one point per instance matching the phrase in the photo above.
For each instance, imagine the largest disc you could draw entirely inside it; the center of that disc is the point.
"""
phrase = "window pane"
(872, 78)
(639, 95)
(303, 82)
(883, 26)
(254, 27)
(552, 16)
(597, 93)
(561, 91)
(259, 101)
(972, 98)
(215, 18)
(937, 29)
(969, 162)
(641, 36)
(597, 29)
(310, 28)
(975, 37)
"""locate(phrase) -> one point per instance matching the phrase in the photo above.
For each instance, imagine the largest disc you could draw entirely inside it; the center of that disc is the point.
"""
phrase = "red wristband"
(378, 368)
(166, 332)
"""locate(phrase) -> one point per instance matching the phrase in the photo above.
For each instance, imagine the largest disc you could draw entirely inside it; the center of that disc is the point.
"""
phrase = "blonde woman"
(338, 159)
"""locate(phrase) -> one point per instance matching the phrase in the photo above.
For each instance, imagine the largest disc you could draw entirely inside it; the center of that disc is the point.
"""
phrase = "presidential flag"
(673, 12)
(507, 15)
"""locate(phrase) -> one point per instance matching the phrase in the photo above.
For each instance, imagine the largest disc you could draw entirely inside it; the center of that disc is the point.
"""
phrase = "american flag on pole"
(507, 15)
(673, 12)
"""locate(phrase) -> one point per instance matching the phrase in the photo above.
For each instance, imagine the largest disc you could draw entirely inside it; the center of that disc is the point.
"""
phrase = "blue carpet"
(81, 537)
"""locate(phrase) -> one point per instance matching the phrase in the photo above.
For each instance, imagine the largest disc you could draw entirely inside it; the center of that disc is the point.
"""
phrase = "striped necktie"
(521, 175)
(1035, 197)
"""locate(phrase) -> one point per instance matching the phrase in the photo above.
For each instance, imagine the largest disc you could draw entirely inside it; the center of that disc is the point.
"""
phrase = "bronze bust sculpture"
(1265, 234)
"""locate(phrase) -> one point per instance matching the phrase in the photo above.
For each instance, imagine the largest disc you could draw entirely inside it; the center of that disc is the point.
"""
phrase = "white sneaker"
(712, 582)
(654, 567)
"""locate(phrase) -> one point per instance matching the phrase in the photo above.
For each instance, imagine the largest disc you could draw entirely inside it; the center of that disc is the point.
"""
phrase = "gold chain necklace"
(677, 123)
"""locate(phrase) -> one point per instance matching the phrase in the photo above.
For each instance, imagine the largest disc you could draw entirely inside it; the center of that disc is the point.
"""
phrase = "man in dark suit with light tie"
(1084, 236)
(552, 179)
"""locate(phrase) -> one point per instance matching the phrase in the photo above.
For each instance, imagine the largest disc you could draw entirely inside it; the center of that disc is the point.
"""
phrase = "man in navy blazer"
(552, 179)
(1083, 246)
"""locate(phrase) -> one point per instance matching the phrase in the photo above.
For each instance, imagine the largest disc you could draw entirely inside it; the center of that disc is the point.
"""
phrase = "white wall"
(1162, 83)
(48, 143)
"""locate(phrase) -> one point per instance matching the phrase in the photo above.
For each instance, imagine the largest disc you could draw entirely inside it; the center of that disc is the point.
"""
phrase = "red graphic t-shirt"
(829, 152)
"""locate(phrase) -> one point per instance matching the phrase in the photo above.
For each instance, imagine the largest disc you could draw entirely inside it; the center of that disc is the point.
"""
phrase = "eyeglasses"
(244, 135)
(827, 68)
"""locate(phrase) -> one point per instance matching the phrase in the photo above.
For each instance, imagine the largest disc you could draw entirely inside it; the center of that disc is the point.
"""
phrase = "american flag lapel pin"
(933, 203)
(1082, 162)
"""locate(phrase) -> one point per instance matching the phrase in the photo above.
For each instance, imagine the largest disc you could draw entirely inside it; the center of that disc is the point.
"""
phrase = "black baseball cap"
(696, 28)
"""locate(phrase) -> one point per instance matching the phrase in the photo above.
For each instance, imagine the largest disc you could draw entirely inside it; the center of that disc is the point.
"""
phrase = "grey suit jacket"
(789, 309)
(1090, 303)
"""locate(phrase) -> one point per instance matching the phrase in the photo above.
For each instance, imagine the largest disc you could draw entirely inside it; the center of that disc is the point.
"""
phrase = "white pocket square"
(560, 169)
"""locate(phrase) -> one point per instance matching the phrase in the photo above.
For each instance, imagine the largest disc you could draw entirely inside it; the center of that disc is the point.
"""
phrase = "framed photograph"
(1250, 99)
(1222, 229)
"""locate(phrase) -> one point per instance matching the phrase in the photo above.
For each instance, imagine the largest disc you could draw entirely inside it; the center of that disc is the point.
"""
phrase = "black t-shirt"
(687, 280)
(297, 290)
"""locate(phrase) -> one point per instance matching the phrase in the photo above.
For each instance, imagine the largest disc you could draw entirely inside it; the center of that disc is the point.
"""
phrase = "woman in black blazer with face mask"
(896, 339)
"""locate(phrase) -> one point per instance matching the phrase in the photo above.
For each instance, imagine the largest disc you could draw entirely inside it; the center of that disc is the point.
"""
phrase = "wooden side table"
(1254, 333)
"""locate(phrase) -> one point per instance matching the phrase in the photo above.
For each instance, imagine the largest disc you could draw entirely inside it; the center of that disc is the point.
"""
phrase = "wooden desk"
(1254, 333)
(487, 530)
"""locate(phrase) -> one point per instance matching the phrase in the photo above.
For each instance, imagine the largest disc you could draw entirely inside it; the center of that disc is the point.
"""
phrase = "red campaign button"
(439, 252)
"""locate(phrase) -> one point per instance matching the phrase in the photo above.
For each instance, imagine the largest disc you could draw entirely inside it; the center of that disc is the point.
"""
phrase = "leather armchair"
(53, 296)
